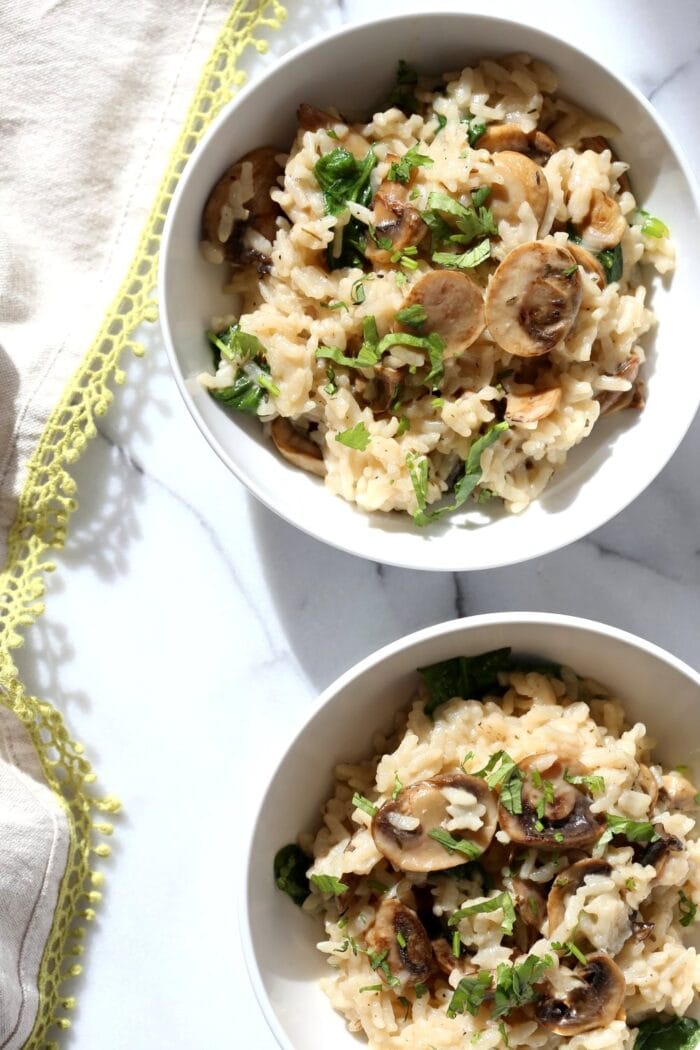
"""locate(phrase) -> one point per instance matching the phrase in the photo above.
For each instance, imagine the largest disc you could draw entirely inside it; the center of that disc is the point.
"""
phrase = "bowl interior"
(279, 939)
(604, 473)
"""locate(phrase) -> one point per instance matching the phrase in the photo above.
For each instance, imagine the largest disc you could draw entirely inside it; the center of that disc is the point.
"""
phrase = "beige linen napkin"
(92, 95)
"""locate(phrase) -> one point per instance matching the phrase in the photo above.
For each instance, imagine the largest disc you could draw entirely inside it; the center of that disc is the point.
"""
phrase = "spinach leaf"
(290, 866)
(235, 345)
(470, 677)
(402, 96)
(611, 261)
(343, 178)
(402, 170)
(251, 384)
(663, 1033)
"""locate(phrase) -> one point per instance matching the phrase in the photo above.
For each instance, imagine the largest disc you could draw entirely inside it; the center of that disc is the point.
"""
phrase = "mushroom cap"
(394, 220)
(604, 226)
(528, 408)
(566, 821)
(297, 447)
(522, 181)
(593, 1003)
(454, 307)
(533, 299)
(262, 210)
(499, 137)
(400, 828)
(615, 400)
(568, 882)
(588, 261)
(398, 931)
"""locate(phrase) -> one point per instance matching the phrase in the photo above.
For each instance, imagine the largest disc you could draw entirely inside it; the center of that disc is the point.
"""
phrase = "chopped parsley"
(471, 222)
(378, 961)
(372, 988)
(632, 830)
(453, 845)
(418, 473)
(594, 783)
(515, 984)
(442, 121)
(501, 900)
(420, 989)
(414, 316)
(402, 170)
(569, 948)
(338, 305)
(331, 386)
(343, 178)
(570, 270)
(474, 129)
(631, 883)
(664, 1033)
(289, 867)
(470, 994)
(328, 884)
(467, 260)
(397, 787)
(360, 802)
(400, 940)
(467, 758)
(404, 424)
(456, 944)
(651, 226)
(612, 262)
(501, 770)
(357, 292)
(688, 910)
(356, 437)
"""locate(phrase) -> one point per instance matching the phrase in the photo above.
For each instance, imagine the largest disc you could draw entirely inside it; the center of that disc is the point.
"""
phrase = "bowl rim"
(580, 526)
(332, 691)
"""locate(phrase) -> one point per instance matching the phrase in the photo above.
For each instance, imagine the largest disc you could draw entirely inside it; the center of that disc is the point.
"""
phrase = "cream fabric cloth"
(34, 834)
(92, 95)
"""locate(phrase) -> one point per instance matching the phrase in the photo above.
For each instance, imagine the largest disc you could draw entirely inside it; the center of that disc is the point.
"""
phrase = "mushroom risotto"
(438, 304)
(513, 868)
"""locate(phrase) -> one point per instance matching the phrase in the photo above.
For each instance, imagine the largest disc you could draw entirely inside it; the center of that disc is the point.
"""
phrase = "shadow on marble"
(335, 608)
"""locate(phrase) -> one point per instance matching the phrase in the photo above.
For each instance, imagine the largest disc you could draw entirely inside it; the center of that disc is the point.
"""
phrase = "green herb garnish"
(328, 884)
(453, 845)
(360, 802)
(404, 424)
(612, 262)
(651, 226)
(632, 830)
(515, 985)
(688, 910)
(356, 437)
(402, 170)
(343, 178)
(469, 994)
(402, 95)
(467, 260)
(331, 386)
(290, 865)
(414, 316)
(501, 900)
(663, 1033)
(357, 292)
(595, 784)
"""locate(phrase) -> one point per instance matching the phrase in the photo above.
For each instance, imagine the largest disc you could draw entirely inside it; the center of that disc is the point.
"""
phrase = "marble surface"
(186, 629)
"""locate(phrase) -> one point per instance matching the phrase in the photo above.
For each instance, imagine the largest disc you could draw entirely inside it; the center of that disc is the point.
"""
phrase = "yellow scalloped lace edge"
(45, 507)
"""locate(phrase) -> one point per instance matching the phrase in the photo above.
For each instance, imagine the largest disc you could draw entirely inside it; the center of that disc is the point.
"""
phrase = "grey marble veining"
(188, 629)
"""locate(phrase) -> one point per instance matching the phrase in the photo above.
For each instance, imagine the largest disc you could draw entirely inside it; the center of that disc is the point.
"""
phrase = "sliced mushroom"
(398, 931)
(380, 391)
(529, 901)
(657, 853)
(641, 930)
(533, 299)
(394, 220)
(455, 803)
(310, 118)
(446, 961)
(567, 883)
(564, 822)
(528, 408)
(588, 261)
(499, 137)
(222, 232)
(454, 308)
(616, 400)
(593, 1003)
(678, 792)
(646, 781)
(604, 226)
(297, 447)
(522, 181)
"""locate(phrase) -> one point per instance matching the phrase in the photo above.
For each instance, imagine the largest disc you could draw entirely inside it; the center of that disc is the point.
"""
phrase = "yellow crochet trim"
(45, 507)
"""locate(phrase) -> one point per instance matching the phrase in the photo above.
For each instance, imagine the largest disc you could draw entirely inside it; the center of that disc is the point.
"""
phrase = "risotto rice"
(439, 304)
(512, 868)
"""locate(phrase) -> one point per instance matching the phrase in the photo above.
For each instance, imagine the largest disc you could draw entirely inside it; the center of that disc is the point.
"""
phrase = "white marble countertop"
(181, 633)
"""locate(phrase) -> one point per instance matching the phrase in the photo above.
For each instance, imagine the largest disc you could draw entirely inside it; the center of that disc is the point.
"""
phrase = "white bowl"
(279, 939)
(353, 70)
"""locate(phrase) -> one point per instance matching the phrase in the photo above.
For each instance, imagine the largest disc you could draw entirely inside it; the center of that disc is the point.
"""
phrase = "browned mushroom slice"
(394, 221)
(646, 781)
(529, 900)
(499, 137)
(522, 181)
(446, 961)
(567, 883)
(398, 932)
(533, 299)
(678, 792)
(454, 308)
(641, 930)
(528, 408)
(588, 261)
(297, 447)
(616, 400)
(555, 814)
(379, 392)
(221, 230)
(593, 1003)
(658, 852)
(453, 805)
(604, 226)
